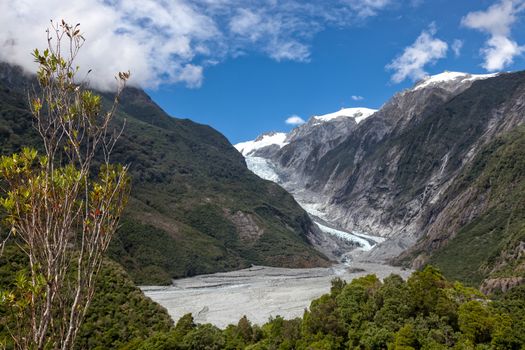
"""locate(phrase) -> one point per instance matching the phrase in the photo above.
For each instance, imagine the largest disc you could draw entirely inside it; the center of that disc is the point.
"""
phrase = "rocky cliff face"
(394, 167)
(308, 143)
(380, 175)
(396, 173)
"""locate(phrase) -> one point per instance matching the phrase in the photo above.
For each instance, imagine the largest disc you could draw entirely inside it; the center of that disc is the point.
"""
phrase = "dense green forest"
(118, 314)
(424, 312)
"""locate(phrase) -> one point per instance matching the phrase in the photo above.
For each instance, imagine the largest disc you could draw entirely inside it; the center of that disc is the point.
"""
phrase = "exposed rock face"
(392, 169)
(246, 226)
(492, 285)
(396, 173)
(381, 175)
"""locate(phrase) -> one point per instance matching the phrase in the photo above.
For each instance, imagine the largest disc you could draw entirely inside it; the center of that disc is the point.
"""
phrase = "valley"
(262, 175)
(263, 292)
(371, 182)
(258, 292)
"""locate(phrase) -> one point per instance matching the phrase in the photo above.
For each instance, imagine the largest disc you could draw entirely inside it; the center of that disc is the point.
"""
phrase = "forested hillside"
(118, 314)
(195, 207)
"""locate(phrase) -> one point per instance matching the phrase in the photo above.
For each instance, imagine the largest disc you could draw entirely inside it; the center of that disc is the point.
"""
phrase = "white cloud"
(457, 45)
(425, 50)
(357, 98)
(174, 41)
(291, 50)
(156, 41)
(367, 8)
(499, 52)
(497, 21)
(295, 120)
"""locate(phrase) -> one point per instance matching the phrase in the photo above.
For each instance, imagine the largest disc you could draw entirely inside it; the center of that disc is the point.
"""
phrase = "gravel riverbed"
(258, 292)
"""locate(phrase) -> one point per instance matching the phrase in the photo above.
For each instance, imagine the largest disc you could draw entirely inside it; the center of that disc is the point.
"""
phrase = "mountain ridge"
(389, 175)
(194, 203)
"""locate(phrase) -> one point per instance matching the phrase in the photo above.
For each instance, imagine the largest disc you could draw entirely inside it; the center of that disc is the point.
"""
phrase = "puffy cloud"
(499, 52)
(425, 50)
(457, 45)
(295, 120)
(157, 41)
(174, 41)
(357, 98)
(497, 21)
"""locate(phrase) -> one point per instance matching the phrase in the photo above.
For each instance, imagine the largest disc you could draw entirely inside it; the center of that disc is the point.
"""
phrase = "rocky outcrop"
(492, 285)
(246, 226)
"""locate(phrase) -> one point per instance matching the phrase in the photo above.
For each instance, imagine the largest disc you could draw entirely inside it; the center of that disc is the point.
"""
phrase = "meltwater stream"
(262, 292)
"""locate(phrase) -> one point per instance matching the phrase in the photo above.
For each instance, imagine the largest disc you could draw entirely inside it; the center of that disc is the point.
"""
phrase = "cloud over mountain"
(500, 49)
(425, 50)
(295, 120)
(174, 41)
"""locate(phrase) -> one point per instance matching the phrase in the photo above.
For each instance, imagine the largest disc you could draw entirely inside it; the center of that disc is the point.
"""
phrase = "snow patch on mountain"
(359, 114)
(313, 209)
(450, 77)
(263, 168)
(365, 242)
(265, 140)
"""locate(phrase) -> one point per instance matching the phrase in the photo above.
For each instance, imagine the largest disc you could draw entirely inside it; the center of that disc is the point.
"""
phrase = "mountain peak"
(450, 77)
(264, 140)
(359, 114)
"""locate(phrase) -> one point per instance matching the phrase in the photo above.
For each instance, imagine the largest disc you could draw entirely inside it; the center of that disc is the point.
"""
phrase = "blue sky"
(245, 96)
(245, 66)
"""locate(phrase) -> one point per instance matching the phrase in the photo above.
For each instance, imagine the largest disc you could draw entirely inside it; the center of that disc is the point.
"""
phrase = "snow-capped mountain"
(450, 80)
(268, 139)
(320, 130)
(380, 172)
(358, 114)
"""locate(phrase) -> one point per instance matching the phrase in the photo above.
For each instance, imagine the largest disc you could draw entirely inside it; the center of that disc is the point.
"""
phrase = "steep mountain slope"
(385, 175)
(477, 229)
(195, 207)
(289, 159)
(403, 173)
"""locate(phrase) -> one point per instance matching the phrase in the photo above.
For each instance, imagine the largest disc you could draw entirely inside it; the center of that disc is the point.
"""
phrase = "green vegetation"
(493, 238)
(424, 312)
(118, 314)
(60, 210)
(188, 183)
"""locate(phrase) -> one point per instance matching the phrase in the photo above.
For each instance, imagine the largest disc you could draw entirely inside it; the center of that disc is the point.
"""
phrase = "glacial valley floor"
(258, 292)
